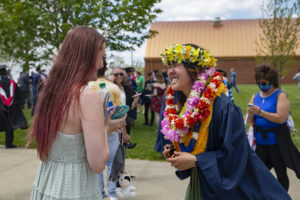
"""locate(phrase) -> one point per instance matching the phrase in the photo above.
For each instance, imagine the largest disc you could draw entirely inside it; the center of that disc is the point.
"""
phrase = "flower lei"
(197, 108)
(178, 53)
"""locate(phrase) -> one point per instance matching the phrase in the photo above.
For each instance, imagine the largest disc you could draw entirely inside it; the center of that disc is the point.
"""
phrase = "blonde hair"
(160, 78)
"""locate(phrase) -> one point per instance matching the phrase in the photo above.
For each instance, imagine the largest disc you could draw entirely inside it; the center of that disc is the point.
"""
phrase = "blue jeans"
(113, 142)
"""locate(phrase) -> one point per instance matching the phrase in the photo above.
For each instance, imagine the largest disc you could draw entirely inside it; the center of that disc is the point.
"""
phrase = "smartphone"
(250, 104)
(172, 150)
(138, 94)
(120, 111)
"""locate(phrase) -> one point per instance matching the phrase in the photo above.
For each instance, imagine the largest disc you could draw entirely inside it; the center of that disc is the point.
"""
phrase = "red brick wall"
(244, 69)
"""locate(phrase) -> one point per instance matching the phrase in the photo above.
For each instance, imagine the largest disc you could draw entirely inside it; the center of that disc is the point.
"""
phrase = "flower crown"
(178, 53)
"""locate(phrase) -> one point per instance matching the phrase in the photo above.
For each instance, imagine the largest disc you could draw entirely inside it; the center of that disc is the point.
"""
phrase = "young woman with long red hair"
(69, 125)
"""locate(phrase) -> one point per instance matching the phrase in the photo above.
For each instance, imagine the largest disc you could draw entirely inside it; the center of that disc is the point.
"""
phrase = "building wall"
(244, 69)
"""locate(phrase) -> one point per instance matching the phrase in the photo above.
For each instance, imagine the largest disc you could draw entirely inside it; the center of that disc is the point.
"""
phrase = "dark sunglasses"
(262, 83)
(118, 74)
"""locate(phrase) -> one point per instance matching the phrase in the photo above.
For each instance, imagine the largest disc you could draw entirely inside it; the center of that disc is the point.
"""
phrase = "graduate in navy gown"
(209, 143)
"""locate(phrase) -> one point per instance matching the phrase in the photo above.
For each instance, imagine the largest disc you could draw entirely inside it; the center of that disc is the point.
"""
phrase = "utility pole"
(131, 58)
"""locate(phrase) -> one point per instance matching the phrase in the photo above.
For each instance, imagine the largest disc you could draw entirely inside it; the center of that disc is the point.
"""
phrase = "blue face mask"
(265, 88)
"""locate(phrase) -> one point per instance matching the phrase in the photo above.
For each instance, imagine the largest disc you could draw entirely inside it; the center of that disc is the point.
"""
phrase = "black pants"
(28, 103)
(9, 136)
(147, 107)
(271, 156)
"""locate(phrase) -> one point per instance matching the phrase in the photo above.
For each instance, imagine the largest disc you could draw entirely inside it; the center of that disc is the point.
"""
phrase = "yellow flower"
(178, 53)
(195, 55)
(171, 58)
(178, 50)
(169, 51)
(212, 61)
(187, 53)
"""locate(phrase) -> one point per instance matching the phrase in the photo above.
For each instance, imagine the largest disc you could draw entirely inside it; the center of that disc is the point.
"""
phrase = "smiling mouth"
(174, 80)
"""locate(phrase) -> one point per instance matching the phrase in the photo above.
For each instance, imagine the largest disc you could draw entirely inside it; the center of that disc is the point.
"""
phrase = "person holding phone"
(127, 93)
(147, 91)
(113, 137)
(69, 127)
(208, 134)
(269, 110)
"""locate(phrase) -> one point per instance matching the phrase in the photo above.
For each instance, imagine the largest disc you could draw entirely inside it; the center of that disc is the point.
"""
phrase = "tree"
(280, 33)
(115, 61)
(42, 25)
(18, 33)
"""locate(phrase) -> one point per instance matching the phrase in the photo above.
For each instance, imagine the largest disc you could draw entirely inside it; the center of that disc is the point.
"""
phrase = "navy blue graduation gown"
(160, 140)
(229, 168)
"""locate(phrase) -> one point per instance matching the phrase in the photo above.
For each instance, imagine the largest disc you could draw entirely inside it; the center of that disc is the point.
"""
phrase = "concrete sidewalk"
(154, 180)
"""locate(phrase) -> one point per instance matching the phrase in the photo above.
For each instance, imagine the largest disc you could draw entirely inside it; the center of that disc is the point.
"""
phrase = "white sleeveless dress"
(66, 174)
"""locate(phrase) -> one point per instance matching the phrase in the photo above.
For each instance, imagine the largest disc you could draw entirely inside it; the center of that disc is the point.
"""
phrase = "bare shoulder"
(89, 96)
(283, 96)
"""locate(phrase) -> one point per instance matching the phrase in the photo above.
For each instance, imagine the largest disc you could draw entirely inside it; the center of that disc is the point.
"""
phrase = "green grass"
(146, 136)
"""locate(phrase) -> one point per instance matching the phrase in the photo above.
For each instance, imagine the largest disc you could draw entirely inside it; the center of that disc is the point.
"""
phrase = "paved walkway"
(154, 180)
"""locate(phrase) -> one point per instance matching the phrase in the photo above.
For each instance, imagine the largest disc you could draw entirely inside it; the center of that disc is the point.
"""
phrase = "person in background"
(11, 103)
(233, 80)
(23, 84)
(208, 133)
(167, 80)
(69, 127)
(269, 110)
(130, 74)
(127, 95)
(140, 80)
(9, 74)
(147, 91)
(113, 138)
(297, 78)
(154, 74)
(157, 96)
(43, 75)
(229, 92)
(36, 83)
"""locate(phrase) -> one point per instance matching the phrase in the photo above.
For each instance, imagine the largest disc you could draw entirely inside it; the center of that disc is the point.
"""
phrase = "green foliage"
(18, 32)
(279, 40)
(32, 30)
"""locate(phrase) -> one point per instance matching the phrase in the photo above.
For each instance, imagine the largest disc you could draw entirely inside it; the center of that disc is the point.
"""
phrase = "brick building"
(232, 42)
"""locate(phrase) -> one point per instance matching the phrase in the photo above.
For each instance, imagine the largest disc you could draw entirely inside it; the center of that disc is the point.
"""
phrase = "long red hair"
(72, 68)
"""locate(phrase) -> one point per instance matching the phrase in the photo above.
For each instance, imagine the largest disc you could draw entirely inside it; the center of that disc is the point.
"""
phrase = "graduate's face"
(180, 79)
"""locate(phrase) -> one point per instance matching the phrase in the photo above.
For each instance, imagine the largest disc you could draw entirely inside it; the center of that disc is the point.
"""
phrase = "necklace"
(197, 108)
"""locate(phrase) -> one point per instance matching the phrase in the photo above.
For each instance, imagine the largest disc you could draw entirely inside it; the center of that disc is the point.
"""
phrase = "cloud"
(178, 10)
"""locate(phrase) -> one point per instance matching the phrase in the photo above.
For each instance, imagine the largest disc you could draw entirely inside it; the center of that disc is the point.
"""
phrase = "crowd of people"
(200, 131)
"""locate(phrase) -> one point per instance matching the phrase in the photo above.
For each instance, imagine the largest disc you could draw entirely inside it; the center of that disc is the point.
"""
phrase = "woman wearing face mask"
(269, 113)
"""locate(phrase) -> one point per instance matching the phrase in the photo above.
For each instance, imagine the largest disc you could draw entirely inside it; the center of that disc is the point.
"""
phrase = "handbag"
(129, 121)
(250, 134)
(291, 125)
(119, 162)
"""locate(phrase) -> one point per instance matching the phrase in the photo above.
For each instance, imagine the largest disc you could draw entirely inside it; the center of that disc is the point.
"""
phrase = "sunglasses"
(118, 74)
(262, 83)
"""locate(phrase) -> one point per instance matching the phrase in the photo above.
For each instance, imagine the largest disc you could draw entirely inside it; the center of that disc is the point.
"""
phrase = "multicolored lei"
(189, 130)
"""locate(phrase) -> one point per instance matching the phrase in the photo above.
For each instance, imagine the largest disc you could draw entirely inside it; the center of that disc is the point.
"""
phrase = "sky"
(182, 10)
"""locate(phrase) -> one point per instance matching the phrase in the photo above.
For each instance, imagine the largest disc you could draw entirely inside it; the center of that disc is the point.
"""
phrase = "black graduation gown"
(229, 168)
(13, 115)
